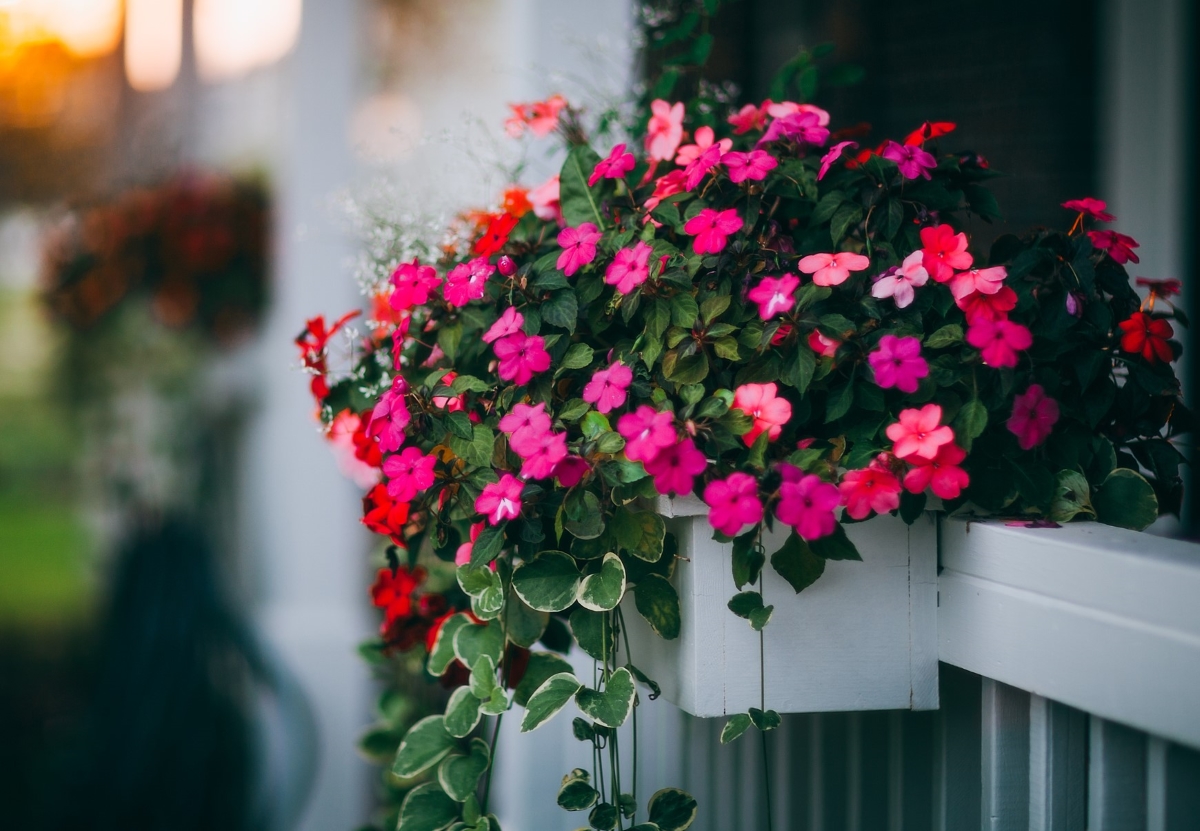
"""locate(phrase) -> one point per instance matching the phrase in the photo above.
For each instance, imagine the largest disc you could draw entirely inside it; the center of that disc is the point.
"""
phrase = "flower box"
(863, 637)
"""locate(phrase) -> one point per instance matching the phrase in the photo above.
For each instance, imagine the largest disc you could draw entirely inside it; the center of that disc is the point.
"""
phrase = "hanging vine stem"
(762, 690)
(629, 659)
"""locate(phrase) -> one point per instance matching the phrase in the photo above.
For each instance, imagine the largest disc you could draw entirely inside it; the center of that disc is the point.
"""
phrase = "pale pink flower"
(982, 280)
(615, 166)
(524, 425)
(911, 159)
(500, 500)
(748, 118)
(899, 283)
(545, 452)
(870, 489)
(897, 362)
(833, 269)
(832, 156)
(467, 281)
(646, 432)
(783, 109)
(999, 341)
(411, 285)
(712, 229)
(607, 389)
(733, 503)
(918, 433)
(521, 357)
(578, 247)
(541, 117)
(629, 268)
(770, 413)
(754, 165)
(807, 504)
(664, 130)
(774, 295)
(545, 200)
(704, 140)
(676, 467)
(944, 252)
(408, 472)
(665, 186)
(941, 473)
(1033, 417)
(509, 322)
(346, 451)
(698, 167)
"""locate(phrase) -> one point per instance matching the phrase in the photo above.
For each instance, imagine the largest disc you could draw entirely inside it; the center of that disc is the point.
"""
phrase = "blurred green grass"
(43, 564)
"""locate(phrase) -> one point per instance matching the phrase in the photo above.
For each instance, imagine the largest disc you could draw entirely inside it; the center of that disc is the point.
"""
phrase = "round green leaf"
(602, 591)
(427, 808)
(541, 666)
(593, 632)
(425, 744)
(548, 582)
(474, 640)
(548, 699)
(462, 712)
(443, 646)
(672, 809)
(459, 775)
(1126, 499)
(612, 706)
(577, 793)
(658, 602)
(603, 817)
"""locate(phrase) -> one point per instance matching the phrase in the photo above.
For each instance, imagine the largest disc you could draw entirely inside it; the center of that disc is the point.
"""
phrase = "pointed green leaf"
(612, 706)
(640, 533)
(548, 582)
(796, 563)
(765, 719)
(425, 744)
(735, 727)
(483, 678)
(749, 605)
(579, 203)
(548, 699)
(658, 602)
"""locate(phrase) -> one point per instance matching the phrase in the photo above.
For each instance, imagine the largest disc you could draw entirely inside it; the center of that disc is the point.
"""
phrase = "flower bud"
(506, 266)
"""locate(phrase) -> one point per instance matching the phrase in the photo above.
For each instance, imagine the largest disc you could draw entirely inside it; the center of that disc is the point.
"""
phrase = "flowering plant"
(751, 310)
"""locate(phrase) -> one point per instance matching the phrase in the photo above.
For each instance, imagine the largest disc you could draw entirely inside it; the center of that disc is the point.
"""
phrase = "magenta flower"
(1118, 246)
(608, 387)
(467, 281)
(913, 162)
(524, 425)
(629, 268)
(546, 451)
(754, 165)
(411, 285)
(570, 471)
(615, 166)
(698, 167)
(390, 417)
(712, 229)
(1095, 208)
(918, 433)
(704, 140)
(999, 341)
(832, 156)
(733, 503)
(664, 131)
(521, 357)
(770, 413)
(500, 500)
(748, 118)
(941, 473)
(646, 432)
(873, 488)
(676, 467)
(665, 186)
(1033, 417)
(899, 283)
(578, 247)
(807, 504)
(833, 269)
(775, 295)
(945, 251)
(804, 127)
(409, 472)
(509, 323)
(982, 280)
(898, 363)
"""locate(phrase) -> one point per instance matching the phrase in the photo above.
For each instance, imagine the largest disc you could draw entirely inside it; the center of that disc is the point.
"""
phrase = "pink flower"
(712, 229)
(541, 117)
(823, 346)
(945, 252)
(607, 388)
(917, 433)
(1095, 208)
(807, 504)
(996, 306)
(521, 357)
(911, 159)
(942, 473)
(452, 404)
(467, 281)
(698, 167)
(615, 166)
(803, 127)
(500, 500)
(462, 555)
(769, 412)
(408, 473)
(898, 363)
(509, 323)
(630, 268)
(412, 283)
(704, 140)
(1033, 417)
(754, 165)
(579, 247)
(545, 200)
(775, 295)
(748, 118)
(665, 186)
(546, 451)
(999, 341)
(870, 489)
(524, 425)
(676, 467)
(664, 130)
(832, 156)
(833, 269)
(570, 471)
(1118, 246)
(982, 280)
(733, 503)
(783, 109)
(899, 283)
(390, 417)
(646, 432)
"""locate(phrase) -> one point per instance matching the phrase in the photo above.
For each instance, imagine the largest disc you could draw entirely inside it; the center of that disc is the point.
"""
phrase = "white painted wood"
(1057, 766)
(1099, 618)
(863, 637)
(1116, 778)
(1156, 785)
(1004, 744)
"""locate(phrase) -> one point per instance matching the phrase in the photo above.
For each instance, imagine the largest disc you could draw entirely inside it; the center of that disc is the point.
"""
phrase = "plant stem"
(487, 781)
(629, 659)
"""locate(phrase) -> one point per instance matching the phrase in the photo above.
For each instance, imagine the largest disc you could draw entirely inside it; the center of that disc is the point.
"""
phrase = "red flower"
(383, 514)
(1092, 207)
(1161, 288)
(496, 235)
(393, 592)
(1119, 246)
(1147, 336)
(978, 306)
(313, 342)
(930, 130)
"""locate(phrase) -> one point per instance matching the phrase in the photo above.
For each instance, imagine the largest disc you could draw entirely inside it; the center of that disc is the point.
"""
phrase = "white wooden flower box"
(863, 637)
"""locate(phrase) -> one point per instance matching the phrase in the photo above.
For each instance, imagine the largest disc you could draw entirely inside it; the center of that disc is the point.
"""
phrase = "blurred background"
(183, 577)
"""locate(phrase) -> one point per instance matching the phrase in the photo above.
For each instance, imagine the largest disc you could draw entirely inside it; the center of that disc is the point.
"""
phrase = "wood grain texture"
(1005, 757)
(1058, 738)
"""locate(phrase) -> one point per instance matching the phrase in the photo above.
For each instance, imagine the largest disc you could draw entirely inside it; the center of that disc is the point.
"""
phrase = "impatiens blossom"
(525, 424)
(1170, 287)
(918, 433)
(802, 127)
(914, 163)
(941, 474)
(541, 117)
(608, 387)
(664, 130)
(1147, 336)
(449, 403)
(748, 118)
(509, 322)
(462, 556)
(782, 109)
(1095, 208)
(676, 467)
(646, 432)
(1033, 417)
(945, 252)
(390, 417)
(770, 413)
(545, 200)
(996, 306)
(411, 285)
(833, 269)
(832, 156)
(500, 500)
(495, 236)
(807, 503)
(409, 472)
(712, 229)
(665, 186)
(999, 341)
(383, 514)
(521, 357)
(615, 166)
(629, 268)
(467, 281)
(982, 280)
(899, 283)
(897, 363)
(704, 140)
(870, 489)
(545, 451)
(570, 471)
(698, 167)
(775, 295)
(1118, 246)
(733, 503)
(823, 346)
(753, 166)
(578, 247)
(930, 130)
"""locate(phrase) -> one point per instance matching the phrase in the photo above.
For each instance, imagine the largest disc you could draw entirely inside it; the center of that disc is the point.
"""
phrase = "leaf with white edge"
(523, 625)
(765, 719)
(548, 582)
(425, 744)
(427, 808)
(484, 588)
(554, 694)
(612, 706)
(540, 667)
(749, 605)
(641, 533)
(603, 817)
(645, 826)
(796, 563)
(462, 713)
(735, 727)
(672, 809)
(658, 602)
(496, 704)
(442, 653)
(576, 792)
(593, 632)
(602, 591)
(474, 640)
(1125, 499)
(488, 546)
(483, 678)
(1073, 496)
(459, 774)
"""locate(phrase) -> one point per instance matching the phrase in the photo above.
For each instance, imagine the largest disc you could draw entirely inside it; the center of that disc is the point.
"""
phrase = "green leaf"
(478, 449)
(641, 533)
(462, 712)
(796, 563)
(714, 307)
(577, 793)
(948, 335)
(576, 199)
(970, 422)
(548, 699)
(427, 808)
(836, 546)
(839, 402)
(748, 559)
(612, 706)
(443, 646)
(749, 605)
(469, 383)
(541, 666)
(573, 410)
(548, 582)
(1126, 499)
(765, 720)
(487, 545)
(578, 356)
(1072, 497)
(593, 632)
(459, 775)
(474, 640)
(690, 370)
(562, 309)
(610, 443)
(602, 591)
(684, 311)
(483, 678)
(672, 809)
(484, 588)
(585, 519)
(458, 424)
(603, 817)
(523, 625)
(1035, 482)
(425, 744)
(735, 727)
(847, 216)
(658, 602)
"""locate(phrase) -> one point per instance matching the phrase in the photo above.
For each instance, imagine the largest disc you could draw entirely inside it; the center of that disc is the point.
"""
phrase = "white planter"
(863, 637)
